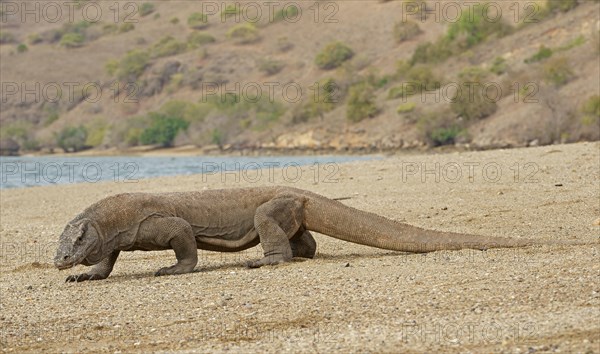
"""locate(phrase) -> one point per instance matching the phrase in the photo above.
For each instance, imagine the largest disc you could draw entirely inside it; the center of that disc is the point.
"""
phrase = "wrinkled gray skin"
(232, 220)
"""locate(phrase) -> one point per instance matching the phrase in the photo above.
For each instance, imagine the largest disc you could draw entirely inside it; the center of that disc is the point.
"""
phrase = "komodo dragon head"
(79, 243)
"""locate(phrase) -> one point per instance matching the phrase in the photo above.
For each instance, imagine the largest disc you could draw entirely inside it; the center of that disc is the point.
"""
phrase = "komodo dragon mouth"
(65, 266)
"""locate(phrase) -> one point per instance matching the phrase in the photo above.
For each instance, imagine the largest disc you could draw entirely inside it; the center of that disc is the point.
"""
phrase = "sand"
(350, 298)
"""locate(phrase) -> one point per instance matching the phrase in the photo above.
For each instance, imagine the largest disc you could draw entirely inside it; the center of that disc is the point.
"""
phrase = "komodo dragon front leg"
(174, 233)
(99, 271)
(279, 226)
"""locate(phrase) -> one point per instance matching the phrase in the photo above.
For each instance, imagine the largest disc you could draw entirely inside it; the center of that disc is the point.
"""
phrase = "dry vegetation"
(393, 81)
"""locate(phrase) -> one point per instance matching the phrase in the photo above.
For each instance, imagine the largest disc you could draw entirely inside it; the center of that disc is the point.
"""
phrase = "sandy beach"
(350, 298)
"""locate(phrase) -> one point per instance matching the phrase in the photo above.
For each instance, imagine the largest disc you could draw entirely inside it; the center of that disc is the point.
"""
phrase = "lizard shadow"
(241, 265)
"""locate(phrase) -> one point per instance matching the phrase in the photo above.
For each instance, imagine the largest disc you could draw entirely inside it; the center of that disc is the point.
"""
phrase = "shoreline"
(196, 151)
(192, 150)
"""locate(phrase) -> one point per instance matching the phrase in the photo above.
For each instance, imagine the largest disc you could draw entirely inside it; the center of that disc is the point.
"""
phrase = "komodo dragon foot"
(83, 277)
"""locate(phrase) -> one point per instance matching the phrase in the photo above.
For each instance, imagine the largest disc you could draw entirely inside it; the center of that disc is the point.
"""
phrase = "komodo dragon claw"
(82, 277)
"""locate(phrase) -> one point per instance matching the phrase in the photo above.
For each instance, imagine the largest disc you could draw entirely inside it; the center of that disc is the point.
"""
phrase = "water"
(18, 172)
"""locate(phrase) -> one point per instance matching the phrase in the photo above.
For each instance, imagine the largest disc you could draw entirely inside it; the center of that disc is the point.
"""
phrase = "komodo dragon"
(231, 220)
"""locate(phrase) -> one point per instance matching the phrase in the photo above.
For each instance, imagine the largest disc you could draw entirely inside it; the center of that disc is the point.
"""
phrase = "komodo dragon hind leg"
(175, 233)
(277, 222)
(303, 244)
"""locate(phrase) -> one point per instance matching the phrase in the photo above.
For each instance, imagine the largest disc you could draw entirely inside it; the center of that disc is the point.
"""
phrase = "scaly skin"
(232, 220)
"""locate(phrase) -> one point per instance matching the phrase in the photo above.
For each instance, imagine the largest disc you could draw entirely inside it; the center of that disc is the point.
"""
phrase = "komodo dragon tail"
(337, 220)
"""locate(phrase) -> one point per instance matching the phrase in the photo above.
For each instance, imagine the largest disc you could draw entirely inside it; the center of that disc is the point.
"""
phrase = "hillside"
(335, 76)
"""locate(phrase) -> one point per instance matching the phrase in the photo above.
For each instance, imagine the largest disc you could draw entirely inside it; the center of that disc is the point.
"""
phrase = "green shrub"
(400, 91)
(217, 137)
(188, 111)
(7, 37)
(22, 133)
(379, 82)
(445, 135)
(197, 39)
(244, 33)
(440, 128)
(499, 66)
(571, 44)
(432, 52)
(550, 8)
(34, 38)
(472, 108)
(333, 55)
(469, 30)
(270, 66)
(406, 107)
(542, 54)
(72, 40)
(156, 16)
(162, 129)
(146, 9)
(16, 130)
(557, 71)
(417, 79)
(424, 76)
(197, 20)
(126, 27)
(72, 138)
(96, 133)
(473, 74)
(132, 136)
(228, 102)
(231, 10)
(76, 27)
(110, 28)
(472, 105)
(133, 64)
(406, 30)
(265, 112)
(31, 144)
(284, 44)
(174, 20)
(361, 102)
(175, 82)
(224, 103)
(130, 67)
(402, 69)
(112, 66)
(463, 34)
(590, 110)
(167, 46)
(321, 100)
(22, 48)
(53, 116)
(51, 36)
(287, 12)
(561, 5)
